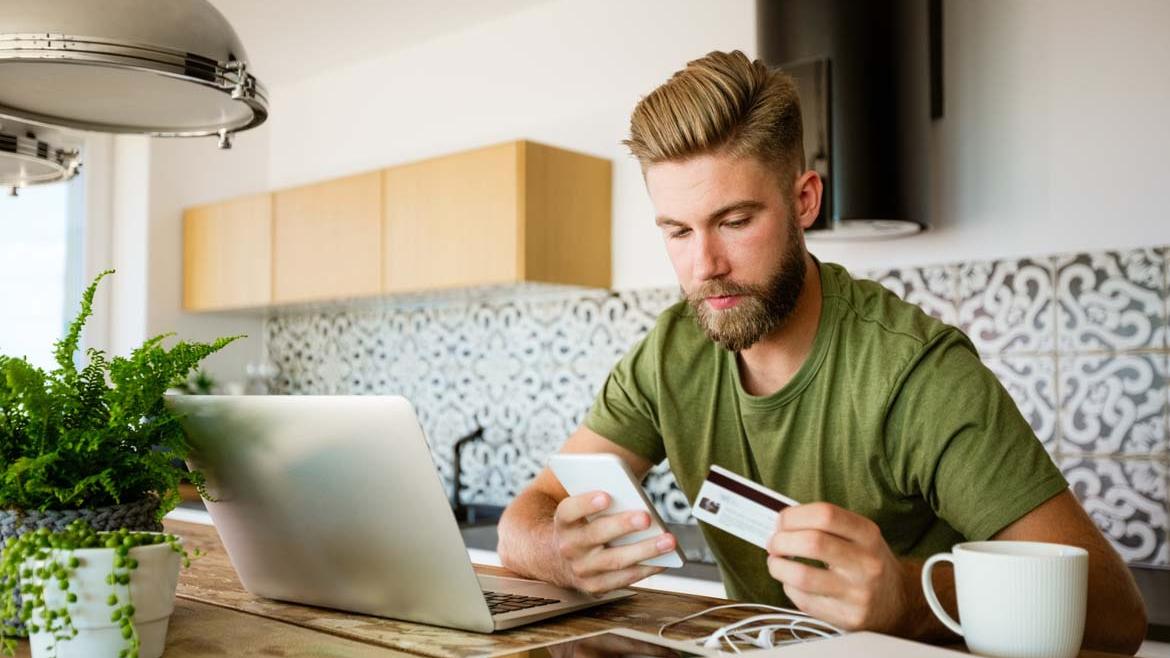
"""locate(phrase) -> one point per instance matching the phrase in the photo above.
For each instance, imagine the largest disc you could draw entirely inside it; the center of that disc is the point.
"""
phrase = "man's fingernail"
(641, 521)
(599, 502)
(664, 543)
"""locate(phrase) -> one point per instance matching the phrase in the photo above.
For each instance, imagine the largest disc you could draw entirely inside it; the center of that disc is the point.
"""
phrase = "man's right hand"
(590, 566)
(546, 534)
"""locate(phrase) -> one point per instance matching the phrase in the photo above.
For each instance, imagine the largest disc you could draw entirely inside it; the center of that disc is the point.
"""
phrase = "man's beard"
(761, 309)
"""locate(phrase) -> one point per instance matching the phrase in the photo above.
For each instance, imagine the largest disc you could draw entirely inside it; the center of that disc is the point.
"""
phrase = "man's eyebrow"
(717, 215)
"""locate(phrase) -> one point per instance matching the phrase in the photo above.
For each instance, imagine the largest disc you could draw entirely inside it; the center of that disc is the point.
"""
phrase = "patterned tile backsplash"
(1080, 342)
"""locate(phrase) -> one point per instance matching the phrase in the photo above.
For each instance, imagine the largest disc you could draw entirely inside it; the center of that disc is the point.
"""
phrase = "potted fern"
(95, 442)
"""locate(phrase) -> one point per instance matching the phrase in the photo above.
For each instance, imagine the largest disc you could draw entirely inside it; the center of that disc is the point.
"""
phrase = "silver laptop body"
(334, 501)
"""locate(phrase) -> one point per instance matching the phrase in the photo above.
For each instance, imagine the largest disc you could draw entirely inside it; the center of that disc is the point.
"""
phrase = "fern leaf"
(64, 349)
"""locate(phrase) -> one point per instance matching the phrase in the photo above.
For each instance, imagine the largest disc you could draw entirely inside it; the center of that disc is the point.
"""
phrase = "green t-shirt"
(892, 416)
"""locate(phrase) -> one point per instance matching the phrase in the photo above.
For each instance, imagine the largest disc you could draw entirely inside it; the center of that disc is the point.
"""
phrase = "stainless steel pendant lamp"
(169, 68)
(34, 155)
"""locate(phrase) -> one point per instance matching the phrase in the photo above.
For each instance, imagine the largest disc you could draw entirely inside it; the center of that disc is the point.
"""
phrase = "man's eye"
(738, 223)
(680, 233)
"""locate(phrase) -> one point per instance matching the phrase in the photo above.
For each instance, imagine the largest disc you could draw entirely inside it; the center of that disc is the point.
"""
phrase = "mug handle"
(931, 598)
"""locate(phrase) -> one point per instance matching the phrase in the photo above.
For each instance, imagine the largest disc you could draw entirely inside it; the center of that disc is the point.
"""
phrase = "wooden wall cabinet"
(327, 240)
(227, 254)
(508, 213)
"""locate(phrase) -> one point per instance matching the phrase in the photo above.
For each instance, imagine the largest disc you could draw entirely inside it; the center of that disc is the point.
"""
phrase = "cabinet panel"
(227, 254)
(452, 221)
(327, 240)
(508, 213)
(568, 217)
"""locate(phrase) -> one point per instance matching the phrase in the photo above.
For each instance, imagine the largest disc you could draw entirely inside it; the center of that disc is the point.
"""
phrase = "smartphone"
(581, 473)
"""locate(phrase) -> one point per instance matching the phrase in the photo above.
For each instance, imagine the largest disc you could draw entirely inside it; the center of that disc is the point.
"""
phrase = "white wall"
(115, 184)
(135, 191)
(91, 207)
(1055, 134)
(184, 173)
(129, 246)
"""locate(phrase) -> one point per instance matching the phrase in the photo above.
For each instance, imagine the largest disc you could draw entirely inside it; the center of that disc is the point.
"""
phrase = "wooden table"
(215, 616)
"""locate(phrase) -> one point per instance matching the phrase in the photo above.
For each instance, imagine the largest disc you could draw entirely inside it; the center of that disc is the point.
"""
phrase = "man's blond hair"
(721, 103)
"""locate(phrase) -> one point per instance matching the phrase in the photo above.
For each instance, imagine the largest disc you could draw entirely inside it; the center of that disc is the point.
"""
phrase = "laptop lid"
(333, 501)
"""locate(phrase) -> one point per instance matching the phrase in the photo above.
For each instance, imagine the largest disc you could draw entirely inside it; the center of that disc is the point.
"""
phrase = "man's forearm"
(918, 620)
(1115, 615)
(526, 544)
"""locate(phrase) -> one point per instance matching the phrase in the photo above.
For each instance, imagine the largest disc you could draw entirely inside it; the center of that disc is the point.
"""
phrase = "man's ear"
(807, 196)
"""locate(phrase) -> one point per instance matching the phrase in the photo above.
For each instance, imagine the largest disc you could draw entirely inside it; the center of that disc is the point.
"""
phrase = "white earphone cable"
(799, 624)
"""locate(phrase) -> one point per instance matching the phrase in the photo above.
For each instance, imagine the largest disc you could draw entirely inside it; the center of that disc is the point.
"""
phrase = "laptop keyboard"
(501, 602)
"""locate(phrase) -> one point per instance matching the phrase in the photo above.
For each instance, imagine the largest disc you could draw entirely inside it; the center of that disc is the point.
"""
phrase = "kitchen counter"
(215, 616)
(212, 580)
(1154, 583)
(481, 538)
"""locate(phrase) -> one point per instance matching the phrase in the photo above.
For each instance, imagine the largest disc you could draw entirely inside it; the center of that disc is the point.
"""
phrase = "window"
(34, 254)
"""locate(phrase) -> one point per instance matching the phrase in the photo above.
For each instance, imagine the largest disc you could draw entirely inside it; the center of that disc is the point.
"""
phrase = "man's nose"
(709, 261)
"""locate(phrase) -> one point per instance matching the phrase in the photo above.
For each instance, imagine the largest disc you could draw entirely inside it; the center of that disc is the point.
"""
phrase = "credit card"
(738, 506)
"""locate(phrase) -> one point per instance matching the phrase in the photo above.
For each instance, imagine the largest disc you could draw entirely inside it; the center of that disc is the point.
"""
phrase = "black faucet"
(463, 513)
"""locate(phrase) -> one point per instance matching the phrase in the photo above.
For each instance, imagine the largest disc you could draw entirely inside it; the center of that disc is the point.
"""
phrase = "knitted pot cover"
(138, 515)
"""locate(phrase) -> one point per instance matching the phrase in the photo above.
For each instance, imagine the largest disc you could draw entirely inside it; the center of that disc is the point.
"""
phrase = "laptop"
(334, 501)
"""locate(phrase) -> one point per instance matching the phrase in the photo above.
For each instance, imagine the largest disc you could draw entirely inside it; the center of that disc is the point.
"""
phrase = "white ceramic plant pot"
(151, 591)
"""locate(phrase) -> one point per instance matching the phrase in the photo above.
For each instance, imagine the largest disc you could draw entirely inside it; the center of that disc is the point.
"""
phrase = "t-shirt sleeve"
(625, 410)
(955, 437)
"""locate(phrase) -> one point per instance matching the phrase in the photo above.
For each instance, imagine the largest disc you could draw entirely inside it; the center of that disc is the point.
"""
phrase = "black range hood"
(869, 77)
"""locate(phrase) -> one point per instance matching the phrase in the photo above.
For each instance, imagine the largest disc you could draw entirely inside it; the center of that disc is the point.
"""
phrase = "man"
(827, 389)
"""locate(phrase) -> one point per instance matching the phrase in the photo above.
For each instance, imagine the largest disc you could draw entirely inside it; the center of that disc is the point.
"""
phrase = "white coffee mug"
(1017, 599)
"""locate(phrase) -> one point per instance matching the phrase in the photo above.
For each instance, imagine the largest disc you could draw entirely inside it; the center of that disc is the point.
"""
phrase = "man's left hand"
(863, 586)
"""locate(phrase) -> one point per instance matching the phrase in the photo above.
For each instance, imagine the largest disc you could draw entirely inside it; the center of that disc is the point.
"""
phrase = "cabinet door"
(227, 254)
(567, 217)
(326, 240)
(452, 221)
